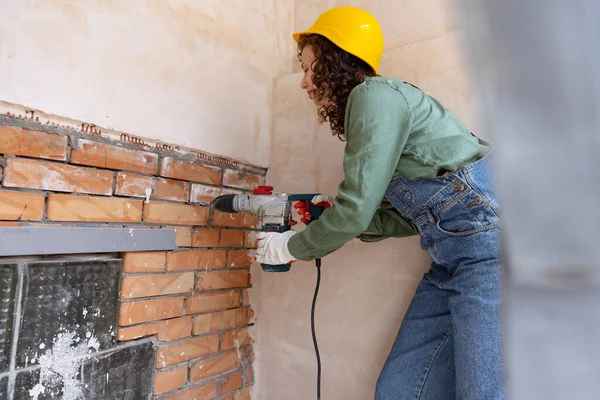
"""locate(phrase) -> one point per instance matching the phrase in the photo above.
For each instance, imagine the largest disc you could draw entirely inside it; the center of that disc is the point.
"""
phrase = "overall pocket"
(464, 213)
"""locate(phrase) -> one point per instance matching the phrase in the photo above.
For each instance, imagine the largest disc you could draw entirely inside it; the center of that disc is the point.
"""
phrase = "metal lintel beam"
(27, 241)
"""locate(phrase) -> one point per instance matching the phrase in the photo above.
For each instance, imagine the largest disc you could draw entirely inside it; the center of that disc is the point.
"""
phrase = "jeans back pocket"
(464, 213)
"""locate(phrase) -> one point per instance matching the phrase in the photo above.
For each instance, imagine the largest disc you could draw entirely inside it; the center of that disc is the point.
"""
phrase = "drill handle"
(315, 211)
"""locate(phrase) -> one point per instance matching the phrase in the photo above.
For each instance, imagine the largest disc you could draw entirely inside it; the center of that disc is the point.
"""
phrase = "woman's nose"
(304, 83)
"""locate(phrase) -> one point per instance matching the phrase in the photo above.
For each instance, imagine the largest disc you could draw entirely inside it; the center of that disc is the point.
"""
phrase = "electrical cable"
(312, 326)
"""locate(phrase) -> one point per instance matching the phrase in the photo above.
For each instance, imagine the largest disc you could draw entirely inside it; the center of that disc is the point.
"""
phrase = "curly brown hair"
(335, 73)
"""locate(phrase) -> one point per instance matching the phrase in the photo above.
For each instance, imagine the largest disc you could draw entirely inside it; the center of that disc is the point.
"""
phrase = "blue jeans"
(449, 344)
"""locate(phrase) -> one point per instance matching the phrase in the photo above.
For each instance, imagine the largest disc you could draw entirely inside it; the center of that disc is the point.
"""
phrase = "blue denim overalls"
(449, 346)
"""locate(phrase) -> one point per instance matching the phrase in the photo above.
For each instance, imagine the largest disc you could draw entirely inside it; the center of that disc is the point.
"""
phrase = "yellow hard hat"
(351, 29)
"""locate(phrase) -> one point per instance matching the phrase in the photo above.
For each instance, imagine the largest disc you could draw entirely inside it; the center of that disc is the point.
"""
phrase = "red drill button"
(264, 190)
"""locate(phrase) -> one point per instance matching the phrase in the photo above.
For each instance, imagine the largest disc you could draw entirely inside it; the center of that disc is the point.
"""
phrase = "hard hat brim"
(298, 35)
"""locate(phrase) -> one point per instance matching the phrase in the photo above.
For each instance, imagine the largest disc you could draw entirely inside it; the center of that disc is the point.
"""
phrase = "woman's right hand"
(319, 200)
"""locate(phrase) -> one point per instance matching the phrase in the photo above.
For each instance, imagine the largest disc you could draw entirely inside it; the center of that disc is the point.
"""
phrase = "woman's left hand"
(273, 248)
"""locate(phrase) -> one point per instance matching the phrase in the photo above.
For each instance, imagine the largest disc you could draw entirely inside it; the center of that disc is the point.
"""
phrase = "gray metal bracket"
(26, 241)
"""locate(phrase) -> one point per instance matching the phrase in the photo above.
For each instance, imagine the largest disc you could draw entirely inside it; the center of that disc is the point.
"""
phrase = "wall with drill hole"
(366, 288)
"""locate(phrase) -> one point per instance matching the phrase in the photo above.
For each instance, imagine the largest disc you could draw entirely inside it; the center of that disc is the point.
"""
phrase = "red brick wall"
(194, 300)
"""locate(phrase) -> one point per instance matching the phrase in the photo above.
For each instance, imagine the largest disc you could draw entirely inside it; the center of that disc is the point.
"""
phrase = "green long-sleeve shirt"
(392, 129)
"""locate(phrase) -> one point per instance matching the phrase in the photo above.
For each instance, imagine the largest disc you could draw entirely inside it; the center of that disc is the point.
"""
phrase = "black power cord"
(312, 327)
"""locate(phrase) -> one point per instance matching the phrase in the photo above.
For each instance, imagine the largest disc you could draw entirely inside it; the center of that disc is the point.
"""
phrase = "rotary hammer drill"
(274, 211)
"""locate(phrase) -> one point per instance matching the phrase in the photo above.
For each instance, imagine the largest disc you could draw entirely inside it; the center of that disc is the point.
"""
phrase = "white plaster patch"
(61, 364)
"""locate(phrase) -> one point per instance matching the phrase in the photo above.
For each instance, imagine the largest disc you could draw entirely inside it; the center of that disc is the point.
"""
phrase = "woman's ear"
(348, 64)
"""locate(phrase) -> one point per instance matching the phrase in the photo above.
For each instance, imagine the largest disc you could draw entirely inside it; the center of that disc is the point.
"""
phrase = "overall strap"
(484, 146)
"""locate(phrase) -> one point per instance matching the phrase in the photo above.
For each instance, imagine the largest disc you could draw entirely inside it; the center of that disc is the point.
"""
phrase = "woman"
(411, 167)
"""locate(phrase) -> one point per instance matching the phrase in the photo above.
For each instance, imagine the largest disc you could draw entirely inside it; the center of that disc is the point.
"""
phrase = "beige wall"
(366, 288)
(192, 73)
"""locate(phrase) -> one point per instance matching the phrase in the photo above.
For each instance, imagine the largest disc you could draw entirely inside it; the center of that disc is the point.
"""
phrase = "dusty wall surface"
(197, 74)
(366, 288)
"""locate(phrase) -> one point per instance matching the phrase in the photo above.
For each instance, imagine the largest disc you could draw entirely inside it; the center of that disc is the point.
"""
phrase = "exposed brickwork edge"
(38, 121)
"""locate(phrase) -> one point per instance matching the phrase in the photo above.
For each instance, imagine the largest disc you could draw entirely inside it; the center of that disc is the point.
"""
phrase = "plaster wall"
(366, 288)
(192, 73)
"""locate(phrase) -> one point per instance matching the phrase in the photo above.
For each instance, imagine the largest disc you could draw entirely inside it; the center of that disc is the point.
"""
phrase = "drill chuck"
(225, 203)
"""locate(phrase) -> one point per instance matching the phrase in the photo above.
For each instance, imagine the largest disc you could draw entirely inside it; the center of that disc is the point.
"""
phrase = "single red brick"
(144, 261)
(214, 365)
(186, 350)
(65, 207)
(171, 379)
(137, 312)
(231, 238)
(24, 142)
(208, 280)
(138, 331)
(45, 175)
(205, 237)
(135, 286)
(172, 213)
(219, 321)
(231, 382)
(186, 170)
(238, 259)
(22, 206)
(195, 260)
(204, 302)
(133, 185)
(168, 189)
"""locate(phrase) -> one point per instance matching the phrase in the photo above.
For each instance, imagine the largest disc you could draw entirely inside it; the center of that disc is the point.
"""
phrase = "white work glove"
(273, 248)
(319, 200)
